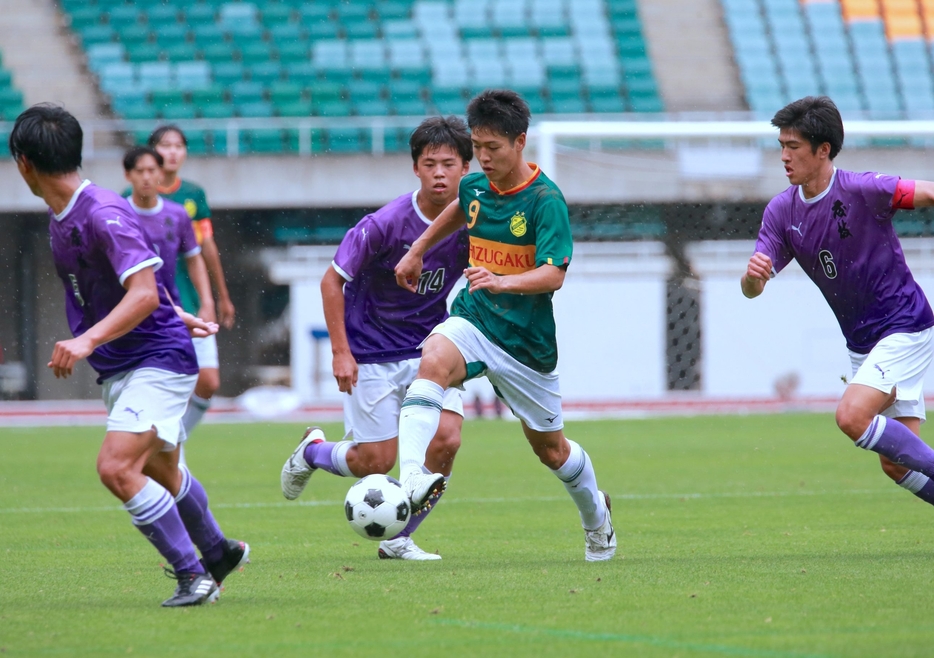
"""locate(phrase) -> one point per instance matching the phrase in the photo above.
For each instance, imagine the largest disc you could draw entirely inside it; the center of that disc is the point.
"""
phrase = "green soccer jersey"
(511, 232)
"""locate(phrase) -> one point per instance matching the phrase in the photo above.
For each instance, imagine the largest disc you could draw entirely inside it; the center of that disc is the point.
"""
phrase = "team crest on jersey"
(191, 207)
(517, 225)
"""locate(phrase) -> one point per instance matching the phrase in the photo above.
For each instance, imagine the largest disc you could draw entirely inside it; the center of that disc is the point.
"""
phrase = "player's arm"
(543, 279)
(447, 223)
(923, 194)
(198, 273)
(140, 300)
(212, 259)
(758, 273)
(343, 363)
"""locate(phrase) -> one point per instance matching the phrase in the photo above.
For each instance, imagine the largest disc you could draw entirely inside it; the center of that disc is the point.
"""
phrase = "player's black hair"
(132, 156)
(441, 131)
(161, 131)
(500, 111)
(49, 137)
(816, 118)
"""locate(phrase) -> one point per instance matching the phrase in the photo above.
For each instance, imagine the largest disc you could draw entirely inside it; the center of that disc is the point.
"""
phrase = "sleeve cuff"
(154, 263)
(193, 252)
(343, 274)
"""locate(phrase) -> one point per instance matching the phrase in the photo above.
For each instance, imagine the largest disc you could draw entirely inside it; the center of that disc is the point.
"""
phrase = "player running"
(165, 222)
(838, 225)
(376, 328)
(172, 145)
(125, 326)
(502, 324)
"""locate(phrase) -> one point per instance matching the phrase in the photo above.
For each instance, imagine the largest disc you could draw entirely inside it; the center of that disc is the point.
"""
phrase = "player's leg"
(535, 398)
(145, 408)
(439, 459)
(867, 415)
(209, 380)
(370, 417)
(443, 364)
(221, 556)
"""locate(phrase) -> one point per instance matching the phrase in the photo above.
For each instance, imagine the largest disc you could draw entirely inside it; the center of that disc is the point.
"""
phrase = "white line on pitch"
(481, 501)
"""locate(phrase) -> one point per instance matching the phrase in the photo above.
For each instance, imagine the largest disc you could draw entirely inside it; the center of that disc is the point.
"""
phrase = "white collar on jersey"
(822, 194)
(71, 203)
(418, 211)
(147, 212)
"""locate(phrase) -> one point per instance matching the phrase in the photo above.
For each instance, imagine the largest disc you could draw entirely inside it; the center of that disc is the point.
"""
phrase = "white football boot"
(296, 472)
(419, 487)
(600, 544)
(403, 548)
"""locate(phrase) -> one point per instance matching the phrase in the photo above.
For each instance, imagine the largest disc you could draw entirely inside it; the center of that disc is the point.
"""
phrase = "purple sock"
(891, 439)
(192, 503)
(324, 454)
(155, 514)
(416, 520)
(920, 485)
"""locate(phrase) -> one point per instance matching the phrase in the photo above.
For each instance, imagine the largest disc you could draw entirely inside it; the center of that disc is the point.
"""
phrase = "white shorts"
(898, 361)
(142, 399)
(371, 414)
(206, 351)
(534, 397)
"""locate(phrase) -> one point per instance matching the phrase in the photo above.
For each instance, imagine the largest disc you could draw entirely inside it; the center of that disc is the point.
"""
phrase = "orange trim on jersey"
(501, 258)
(521, 186)
(171, 190)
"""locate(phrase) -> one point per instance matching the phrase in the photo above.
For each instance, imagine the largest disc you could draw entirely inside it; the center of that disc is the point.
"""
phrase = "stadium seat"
(299, 108)
(192, 75)
(104, 53)
(255, 109)
(226, 73)
(179, 52)
(265, 140)
(399, 29)
(155, 75)
(344, 140)
(161, 16)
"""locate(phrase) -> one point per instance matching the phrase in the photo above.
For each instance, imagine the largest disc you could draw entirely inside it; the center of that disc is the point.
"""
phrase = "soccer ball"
(377, 507)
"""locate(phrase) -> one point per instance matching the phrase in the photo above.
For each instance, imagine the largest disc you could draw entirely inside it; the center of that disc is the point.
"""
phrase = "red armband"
(203, 229)
(904, 197)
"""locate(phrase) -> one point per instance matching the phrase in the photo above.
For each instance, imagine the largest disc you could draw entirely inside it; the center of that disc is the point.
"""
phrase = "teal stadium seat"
(161, 16)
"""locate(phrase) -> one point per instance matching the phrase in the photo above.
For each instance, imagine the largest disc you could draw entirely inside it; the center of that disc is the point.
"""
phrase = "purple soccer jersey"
(169, 228)
(96, 244)
(384, 321)
(845, 242)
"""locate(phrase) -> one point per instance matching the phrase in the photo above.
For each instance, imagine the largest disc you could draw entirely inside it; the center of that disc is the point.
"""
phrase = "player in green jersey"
(502, 324)
(172, 145)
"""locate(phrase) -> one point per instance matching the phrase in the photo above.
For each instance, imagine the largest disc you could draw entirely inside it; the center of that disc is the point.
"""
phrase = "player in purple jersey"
(838, 226)
(166, 223)
(140, 346)
(377, 328)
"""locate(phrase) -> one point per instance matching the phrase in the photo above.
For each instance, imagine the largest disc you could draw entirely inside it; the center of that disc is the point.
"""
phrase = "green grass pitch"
(767, 536)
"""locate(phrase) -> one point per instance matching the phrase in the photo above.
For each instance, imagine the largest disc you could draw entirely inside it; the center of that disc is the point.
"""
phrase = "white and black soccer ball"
(377, 507)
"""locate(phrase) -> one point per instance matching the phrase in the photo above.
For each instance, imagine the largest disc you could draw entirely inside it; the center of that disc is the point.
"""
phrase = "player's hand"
(345, 371)
(207, 312)
(481, 278)
(760, 267)
(67, 353)
(197, 327)
(408, 271)
(226, 313)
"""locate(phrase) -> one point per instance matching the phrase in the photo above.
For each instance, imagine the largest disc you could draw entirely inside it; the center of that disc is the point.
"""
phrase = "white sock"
(197, 407)
(418, 424)
(581, 482)
(339, 457)
(149, 504)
